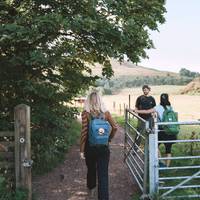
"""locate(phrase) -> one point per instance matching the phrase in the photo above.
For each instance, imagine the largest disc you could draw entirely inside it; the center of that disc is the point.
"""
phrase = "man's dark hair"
(146, 86)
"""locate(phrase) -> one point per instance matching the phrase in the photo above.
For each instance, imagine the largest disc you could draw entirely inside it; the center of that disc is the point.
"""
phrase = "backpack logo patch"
(101, 131)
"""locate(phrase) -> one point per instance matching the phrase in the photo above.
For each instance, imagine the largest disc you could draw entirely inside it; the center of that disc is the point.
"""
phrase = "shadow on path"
(68, 180)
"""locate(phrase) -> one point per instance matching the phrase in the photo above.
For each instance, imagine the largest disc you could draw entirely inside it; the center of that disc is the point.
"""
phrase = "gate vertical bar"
(156, 157)
(146, 156)
(125, 136)
(153, 161)
(23, 148)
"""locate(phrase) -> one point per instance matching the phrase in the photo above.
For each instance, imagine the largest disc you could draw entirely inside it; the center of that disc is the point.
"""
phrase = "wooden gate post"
(23, 148)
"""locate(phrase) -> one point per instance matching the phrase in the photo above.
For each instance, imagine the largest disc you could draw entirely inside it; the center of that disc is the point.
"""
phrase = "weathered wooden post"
(129, 101)
(113, 105)
(124, 109)
(120, 108)
(23, 160)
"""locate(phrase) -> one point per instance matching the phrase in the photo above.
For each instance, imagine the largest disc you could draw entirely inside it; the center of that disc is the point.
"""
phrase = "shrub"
(50, 146)
(6, 194)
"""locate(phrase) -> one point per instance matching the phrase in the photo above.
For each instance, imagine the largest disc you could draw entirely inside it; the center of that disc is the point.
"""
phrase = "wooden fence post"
(23, 148)
(120, 109)
(124, 109)
(113, 105)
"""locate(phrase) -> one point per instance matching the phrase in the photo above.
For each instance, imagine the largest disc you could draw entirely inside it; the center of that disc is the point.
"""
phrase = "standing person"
(144, 102)
(96, 157)
(162, 135)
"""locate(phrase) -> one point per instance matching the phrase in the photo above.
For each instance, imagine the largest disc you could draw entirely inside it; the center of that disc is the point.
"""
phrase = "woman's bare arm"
(145, 111)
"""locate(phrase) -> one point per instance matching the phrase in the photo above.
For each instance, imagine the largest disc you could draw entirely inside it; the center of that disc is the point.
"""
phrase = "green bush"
(6, 194)
(50, 146)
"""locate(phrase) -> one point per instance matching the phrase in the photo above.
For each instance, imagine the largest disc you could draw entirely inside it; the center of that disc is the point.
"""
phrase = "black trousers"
(97, 160)
(162, 135)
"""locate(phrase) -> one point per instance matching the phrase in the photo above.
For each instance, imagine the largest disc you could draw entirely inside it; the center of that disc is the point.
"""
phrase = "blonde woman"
(96, 157)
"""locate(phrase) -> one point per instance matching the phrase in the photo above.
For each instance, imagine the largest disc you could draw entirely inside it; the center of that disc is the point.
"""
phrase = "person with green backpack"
(165, 113)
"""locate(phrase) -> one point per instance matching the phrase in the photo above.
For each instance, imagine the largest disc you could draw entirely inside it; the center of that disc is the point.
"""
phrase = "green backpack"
(170, 116)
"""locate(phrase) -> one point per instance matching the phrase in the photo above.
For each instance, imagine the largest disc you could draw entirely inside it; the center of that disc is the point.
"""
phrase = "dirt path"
(68, 181)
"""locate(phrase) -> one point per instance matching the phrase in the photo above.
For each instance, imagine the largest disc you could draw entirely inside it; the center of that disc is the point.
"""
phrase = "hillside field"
(130, 69)
(187, 106)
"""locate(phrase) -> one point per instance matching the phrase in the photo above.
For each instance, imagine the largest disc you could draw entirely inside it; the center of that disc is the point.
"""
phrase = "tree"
(47, 49)
(188, 73)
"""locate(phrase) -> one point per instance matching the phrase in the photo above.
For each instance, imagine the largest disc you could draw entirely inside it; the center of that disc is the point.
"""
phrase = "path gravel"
(68, 180)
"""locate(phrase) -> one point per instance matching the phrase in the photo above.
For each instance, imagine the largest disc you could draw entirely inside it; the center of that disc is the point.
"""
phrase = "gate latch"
(27, 163)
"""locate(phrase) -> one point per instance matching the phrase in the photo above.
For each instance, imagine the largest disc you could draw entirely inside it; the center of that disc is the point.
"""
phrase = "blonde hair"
(99, 106)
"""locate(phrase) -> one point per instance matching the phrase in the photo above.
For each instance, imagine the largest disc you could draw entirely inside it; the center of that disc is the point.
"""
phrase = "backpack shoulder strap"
(91, 117)
(165, 113)
(168, 108)
(100, 116)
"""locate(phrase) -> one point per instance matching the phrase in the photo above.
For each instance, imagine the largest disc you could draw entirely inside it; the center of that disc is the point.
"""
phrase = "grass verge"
(119, 119)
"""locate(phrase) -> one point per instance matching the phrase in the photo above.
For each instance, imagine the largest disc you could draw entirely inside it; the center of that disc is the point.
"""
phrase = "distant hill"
(129, 69)
(128, 75)
(193, 87)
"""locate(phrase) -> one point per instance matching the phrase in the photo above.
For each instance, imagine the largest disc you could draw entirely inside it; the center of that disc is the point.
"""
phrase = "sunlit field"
(187, 106)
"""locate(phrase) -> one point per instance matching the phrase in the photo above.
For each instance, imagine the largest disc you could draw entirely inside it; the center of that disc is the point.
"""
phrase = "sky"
(177, 44)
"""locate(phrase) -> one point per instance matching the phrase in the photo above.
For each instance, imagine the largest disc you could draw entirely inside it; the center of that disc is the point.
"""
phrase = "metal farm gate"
(181, 180)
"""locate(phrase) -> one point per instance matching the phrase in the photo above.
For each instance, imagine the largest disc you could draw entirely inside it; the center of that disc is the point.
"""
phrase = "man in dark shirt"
(144, 102)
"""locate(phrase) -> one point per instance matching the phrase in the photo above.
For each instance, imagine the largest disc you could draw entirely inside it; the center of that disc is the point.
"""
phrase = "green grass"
(119, 119)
